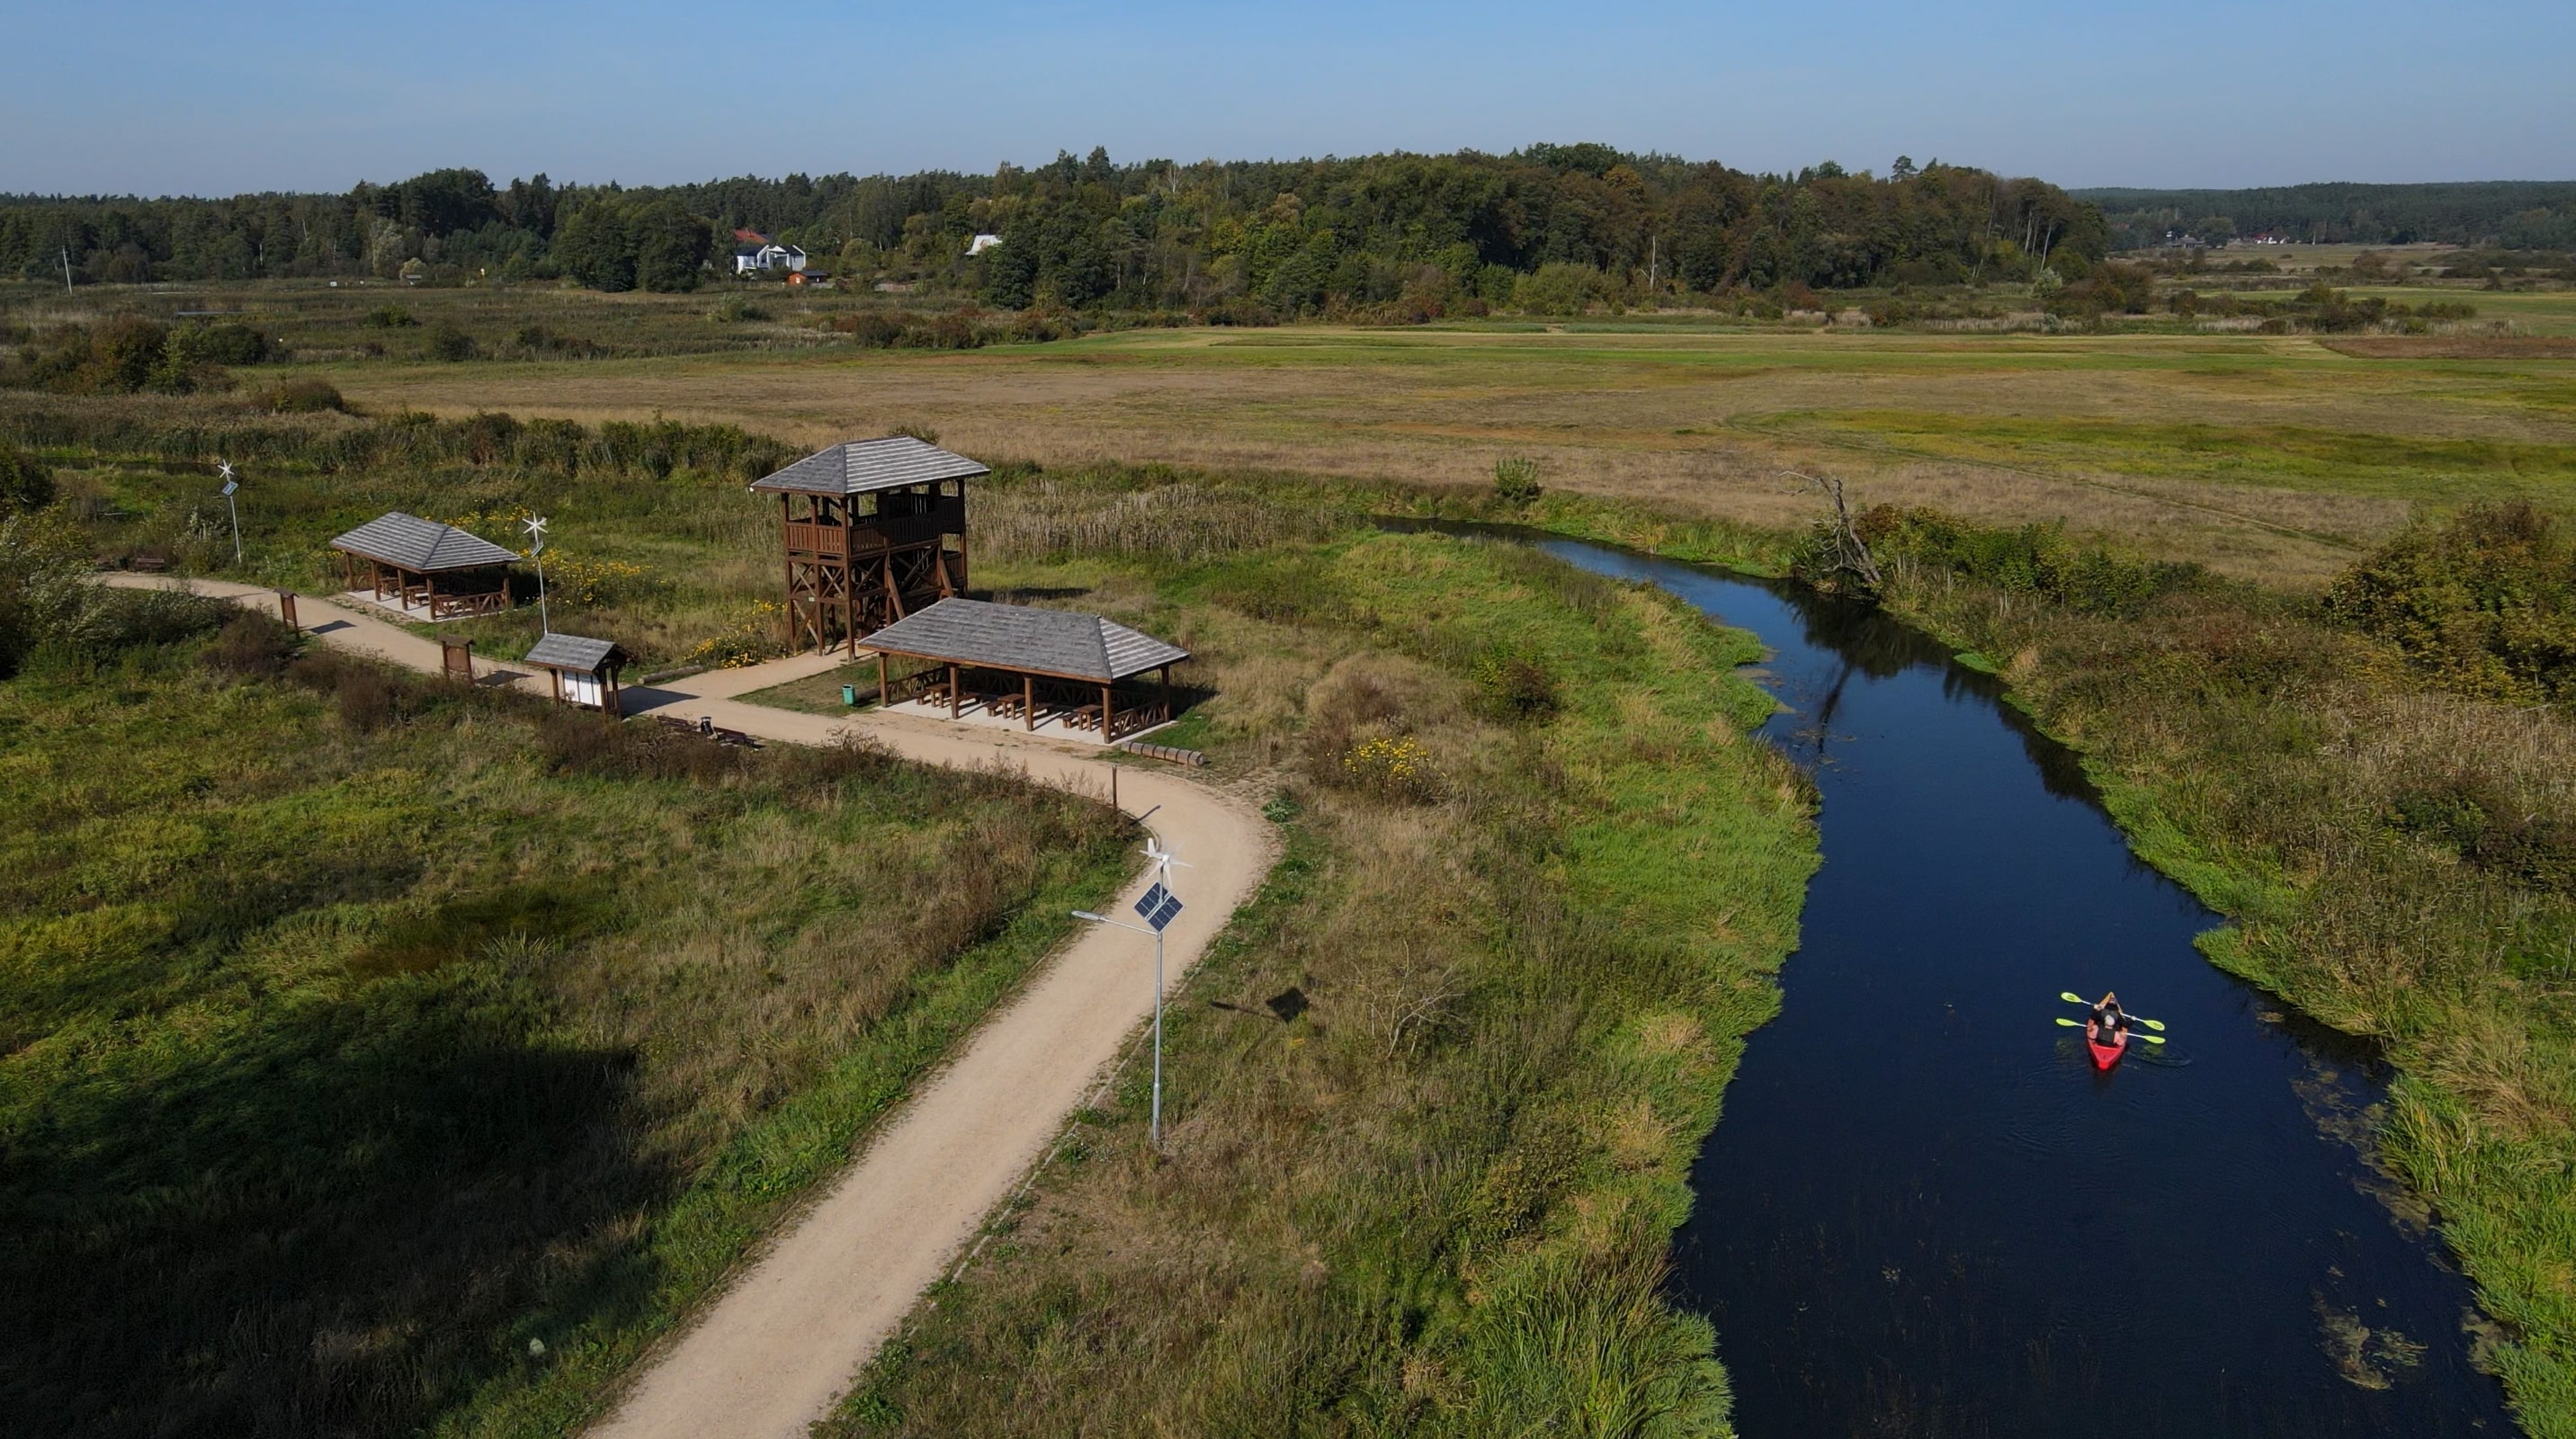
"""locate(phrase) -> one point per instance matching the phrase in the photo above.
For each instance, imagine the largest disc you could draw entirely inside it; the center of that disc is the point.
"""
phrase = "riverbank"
(1432, 1100)
(2397, 859)
(2391, 859)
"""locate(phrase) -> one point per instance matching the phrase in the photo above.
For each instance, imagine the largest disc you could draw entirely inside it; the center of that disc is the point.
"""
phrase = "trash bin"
(850, 695)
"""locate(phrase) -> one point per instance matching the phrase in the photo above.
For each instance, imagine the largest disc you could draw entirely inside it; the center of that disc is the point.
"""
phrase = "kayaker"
(2108, 1024)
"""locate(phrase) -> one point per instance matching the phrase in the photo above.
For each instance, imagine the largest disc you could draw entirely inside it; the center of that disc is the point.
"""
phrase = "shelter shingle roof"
(421, 546)
(864, 465)
(1010, 637)
(571, 652)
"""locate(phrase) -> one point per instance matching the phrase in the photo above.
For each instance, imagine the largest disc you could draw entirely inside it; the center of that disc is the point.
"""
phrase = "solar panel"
(1159, 907)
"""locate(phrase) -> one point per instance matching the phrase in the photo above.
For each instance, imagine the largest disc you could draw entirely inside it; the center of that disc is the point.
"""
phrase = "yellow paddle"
(2156, 1024)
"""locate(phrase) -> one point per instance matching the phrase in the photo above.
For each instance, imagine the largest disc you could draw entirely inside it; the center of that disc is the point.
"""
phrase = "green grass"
(373, 1067)
(1437, 1197)
(821, 694)
(2412, 468)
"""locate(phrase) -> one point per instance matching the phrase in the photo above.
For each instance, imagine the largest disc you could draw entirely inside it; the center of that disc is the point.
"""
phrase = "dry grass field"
(2277, 457)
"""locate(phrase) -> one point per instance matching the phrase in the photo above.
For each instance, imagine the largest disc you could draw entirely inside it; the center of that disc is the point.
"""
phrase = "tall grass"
(376, 1052)
(1151, 511)
(192, 429)
(1433, 1096)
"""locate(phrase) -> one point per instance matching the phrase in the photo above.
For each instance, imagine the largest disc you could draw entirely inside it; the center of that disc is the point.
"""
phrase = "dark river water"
(1924, 1214)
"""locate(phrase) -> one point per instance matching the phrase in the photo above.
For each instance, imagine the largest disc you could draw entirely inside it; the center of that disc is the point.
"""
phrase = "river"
(1923, 1213)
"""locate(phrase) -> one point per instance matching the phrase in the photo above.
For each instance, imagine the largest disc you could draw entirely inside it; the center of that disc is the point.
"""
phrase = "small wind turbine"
(232, 482)
(1162, 858)
(536, 527)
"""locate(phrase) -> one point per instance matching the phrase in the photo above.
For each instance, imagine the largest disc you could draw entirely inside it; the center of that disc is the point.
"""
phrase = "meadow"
(376, 1051)
(2275, 457)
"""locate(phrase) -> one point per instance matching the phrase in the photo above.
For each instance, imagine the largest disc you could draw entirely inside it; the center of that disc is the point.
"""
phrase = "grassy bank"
(380, 1057)
(2393, 841)
(1433, 1098)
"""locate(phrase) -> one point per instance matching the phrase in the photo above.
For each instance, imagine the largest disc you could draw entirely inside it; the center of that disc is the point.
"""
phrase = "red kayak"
(2105, 1055)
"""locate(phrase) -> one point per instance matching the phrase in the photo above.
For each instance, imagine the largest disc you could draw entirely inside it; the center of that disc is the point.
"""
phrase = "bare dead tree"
(1850, 553)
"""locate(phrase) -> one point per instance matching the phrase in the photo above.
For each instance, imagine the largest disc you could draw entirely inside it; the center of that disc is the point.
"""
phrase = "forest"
(2512, 214)
(1289, 237)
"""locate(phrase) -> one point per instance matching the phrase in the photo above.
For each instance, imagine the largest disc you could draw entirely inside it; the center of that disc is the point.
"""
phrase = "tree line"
(1291, 236)
(2513, 214)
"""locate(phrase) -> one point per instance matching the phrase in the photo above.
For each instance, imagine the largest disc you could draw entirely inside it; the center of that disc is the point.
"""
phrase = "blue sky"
(212, 98)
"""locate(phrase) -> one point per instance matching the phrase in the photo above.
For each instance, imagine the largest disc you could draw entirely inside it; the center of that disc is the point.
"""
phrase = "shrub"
(1515, 687)
(1241, 311)
(224, 343)
(2033, 559)
(1558, 288)
(306, 396)
(2485, 603)
(874, 329)
(446, 342)
(389, 317)
(1516, 481)
(251, 646)
(367, 699)
(25, 482)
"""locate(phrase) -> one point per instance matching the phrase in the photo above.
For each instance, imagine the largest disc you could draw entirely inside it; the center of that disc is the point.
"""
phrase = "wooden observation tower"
(873, 530)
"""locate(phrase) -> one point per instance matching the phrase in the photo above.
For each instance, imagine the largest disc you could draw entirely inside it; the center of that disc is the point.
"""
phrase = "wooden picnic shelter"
(584, 670)
(1029, 664)
(870, 531)
(422, 564)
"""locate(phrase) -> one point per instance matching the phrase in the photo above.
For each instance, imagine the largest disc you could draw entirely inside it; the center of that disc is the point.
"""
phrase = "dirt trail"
(782, 1342)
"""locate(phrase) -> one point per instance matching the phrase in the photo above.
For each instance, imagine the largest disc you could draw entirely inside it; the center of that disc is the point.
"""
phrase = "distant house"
(761, 255)
(981, 243)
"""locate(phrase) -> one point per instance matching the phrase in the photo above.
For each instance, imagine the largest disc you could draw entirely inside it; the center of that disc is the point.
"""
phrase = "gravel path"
(771, 1353)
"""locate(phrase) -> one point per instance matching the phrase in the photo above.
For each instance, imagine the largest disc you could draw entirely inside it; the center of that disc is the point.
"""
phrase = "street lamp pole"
(231, 483)
(536, 527)
(1158, 908)
(1154, 1121)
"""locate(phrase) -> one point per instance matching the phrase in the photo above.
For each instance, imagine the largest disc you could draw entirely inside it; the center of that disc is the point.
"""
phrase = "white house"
(981, 243)
(761, 255)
